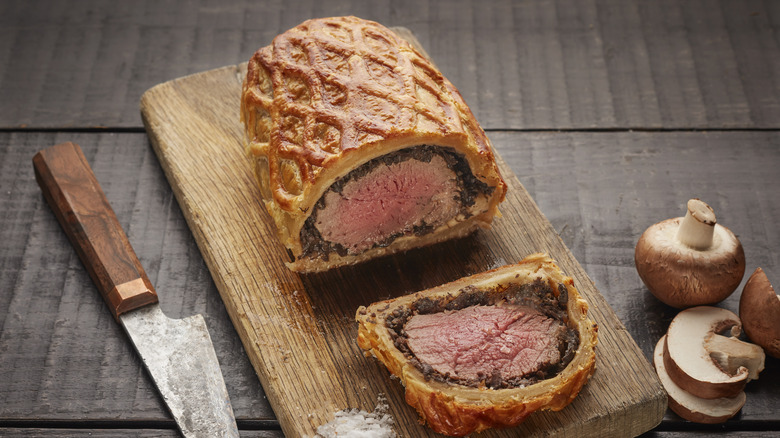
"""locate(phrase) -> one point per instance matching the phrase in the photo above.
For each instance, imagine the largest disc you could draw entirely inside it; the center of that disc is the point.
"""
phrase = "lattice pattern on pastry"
(333, 84)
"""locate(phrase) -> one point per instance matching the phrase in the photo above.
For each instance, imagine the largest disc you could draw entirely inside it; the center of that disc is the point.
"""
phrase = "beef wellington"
(361, 147)
(487, 350)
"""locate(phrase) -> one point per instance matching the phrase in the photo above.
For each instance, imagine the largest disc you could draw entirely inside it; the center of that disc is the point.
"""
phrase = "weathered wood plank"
(63, 354)
(599, 191)
(521, 65)
(710, 433)
(548, 64)
(602, 190)
(119, 433)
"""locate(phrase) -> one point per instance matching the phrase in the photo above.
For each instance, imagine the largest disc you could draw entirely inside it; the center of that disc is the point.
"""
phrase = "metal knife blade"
(178, 354)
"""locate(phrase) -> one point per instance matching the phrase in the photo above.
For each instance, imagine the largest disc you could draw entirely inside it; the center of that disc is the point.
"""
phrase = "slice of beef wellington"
(487, 350)
(361, 147)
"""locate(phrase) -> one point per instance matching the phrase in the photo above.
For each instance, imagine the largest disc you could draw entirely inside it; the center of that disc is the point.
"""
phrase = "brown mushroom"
(705, 363)
(687, 405)
(759, 309)
(690, 261)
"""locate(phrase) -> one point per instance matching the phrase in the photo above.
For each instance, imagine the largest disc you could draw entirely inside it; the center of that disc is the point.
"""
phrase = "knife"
(178, 353)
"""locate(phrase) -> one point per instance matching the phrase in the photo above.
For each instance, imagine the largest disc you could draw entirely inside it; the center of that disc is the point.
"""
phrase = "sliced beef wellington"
(487, 350)
(361, 147)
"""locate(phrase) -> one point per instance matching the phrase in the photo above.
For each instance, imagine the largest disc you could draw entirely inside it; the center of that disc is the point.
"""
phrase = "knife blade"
(177, 353)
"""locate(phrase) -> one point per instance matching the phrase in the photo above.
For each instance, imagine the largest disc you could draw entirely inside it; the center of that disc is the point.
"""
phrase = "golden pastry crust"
(458, 410)
(334, 93)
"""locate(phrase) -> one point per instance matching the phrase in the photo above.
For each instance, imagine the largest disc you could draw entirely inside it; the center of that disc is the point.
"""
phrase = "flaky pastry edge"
(458, 410)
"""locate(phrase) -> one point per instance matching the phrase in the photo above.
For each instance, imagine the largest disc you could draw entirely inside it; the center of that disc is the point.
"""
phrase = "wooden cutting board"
(299, 330)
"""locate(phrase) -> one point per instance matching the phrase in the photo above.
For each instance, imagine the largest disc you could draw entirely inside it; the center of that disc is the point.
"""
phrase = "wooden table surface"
(611, 113)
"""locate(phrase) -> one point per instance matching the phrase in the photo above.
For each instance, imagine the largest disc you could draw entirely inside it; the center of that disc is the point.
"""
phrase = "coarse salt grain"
(355, 423)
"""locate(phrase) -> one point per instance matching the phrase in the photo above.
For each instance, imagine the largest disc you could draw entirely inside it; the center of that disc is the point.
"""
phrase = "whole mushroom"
(759, 310)
(691, 260)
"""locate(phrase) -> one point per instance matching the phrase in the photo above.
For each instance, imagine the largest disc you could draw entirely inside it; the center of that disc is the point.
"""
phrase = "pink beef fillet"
(390, 200)
(408, 192)
(481, 342)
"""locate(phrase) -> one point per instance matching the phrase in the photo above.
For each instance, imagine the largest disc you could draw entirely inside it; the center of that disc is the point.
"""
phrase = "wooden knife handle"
(81, 207)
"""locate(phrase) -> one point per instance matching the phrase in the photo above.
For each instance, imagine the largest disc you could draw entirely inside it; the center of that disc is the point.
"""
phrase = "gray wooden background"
(612, 114)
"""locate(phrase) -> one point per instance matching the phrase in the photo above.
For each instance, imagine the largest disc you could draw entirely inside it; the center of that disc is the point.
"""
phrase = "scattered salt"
(355, 423)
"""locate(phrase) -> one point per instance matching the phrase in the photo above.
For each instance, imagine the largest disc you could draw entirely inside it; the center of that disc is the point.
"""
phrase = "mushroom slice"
(704, 362)
(759, 309)
(687, 405)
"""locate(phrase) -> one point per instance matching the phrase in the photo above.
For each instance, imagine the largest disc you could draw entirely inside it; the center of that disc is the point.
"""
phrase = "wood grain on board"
(299, 330)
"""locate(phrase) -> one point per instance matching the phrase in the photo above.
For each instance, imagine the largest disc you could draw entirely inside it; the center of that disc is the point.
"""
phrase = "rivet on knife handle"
(75, 196)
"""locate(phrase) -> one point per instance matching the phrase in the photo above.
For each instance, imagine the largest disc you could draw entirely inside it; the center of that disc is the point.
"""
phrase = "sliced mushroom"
(687, 405)
(690, 261)
(759, 309)
(704, 362)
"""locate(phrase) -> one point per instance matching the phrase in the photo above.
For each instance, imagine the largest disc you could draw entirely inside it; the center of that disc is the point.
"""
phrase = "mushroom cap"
(687, 405)
(681, 276)
(759, 309)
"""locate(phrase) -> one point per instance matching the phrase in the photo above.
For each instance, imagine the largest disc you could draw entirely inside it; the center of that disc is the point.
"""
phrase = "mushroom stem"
(731, 355)
(698, 225)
